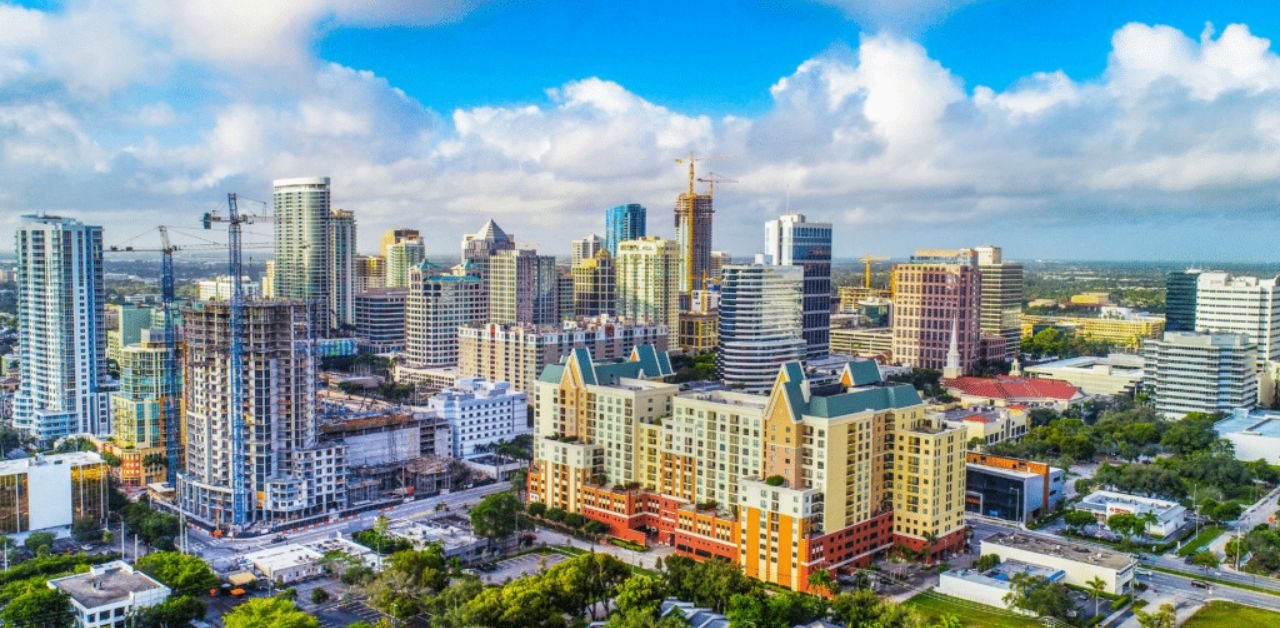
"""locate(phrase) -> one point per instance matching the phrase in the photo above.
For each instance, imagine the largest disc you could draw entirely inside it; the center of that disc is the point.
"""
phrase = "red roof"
(978, 418)
(1008, 388)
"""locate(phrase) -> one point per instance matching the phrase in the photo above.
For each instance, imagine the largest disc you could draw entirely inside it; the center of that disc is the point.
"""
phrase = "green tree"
(36, 540)
(448, 608)
(319, 596)
(497, 516)
(39, 608)
(86, 530)
(1096, 587)
(537, 509)
(1038, 595)
(1164, 617)
(1126, 525)
(1206, 559)
(821, 580)
(1078, 519)
(178, 610)
(269, 611)
(986, 562)
(186, 575)
(640, 593)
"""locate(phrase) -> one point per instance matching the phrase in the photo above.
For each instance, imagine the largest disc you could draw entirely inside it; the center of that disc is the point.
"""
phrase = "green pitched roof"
(864, 372)
(876, 399)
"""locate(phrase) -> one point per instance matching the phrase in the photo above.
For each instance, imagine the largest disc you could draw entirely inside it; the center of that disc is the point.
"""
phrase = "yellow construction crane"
(712, 179)
(866, 275)
(691, 160)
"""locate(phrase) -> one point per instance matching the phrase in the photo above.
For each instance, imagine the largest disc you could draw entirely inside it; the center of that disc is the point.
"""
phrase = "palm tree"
(822, 580)
(1096, 586)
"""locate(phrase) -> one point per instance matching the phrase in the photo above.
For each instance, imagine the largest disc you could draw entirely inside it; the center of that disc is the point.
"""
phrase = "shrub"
(319, 596)
(537, 509)
(775, 480)
(574, 520)
(555, 514)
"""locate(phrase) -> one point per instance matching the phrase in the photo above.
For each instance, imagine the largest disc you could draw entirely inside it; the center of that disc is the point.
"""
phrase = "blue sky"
(1084, 129)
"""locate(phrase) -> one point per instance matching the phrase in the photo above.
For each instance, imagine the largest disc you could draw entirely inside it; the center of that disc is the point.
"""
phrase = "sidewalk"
(1255, 514)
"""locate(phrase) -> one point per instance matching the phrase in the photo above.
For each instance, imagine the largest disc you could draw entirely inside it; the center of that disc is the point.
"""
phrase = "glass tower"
(791, 241)
(623, 222)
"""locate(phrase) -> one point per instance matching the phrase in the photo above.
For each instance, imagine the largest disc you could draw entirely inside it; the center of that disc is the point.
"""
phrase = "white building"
(219, 289)
(480, 413)
(1079, 562)
(1254, 434)
(1103, 504)
(1115, 374)
(286, 564)
(991, 586)
(108, 593)
(761, 323)
(1241, 305)
(1194, 372)
(52, 491)
(62, 335)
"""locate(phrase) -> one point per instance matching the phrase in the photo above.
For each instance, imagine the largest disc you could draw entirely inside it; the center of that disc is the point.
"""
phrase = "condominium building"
(790, 240)
(342, 267)
(438, 304)
(584, 249)
(392, 236)
(523, 288)
(1192, 372)
(622, 223)
(402, 257)
(517, 353)
(595, 285)
(937, 292)
(52, 491)
(219, 289)
(1241, 305)
(302, 241)
(1000, 309)
(1180, 299)
(288, 476)
(649, 280)
(150, 378)
(693, 236)
(371, 272)
(478, 247)
(761, 324)
(380, 319)
(813, 476)
(125, 323)
(480, 413)
(62, 337)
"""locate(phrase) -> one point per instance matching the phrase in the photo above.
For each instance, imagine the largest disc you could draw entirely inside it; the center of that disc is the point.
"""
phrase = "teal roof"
(651, 364)
(655, 363)
(583, 356)
(552, 373)
(876, 399)
(864, 372)
(793, 388)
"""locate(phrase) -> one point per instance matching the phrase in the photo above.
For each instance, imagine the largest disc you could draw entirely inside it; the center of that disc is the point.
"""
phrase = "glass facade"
(15, 505)
(1180, 300)
(621, 223)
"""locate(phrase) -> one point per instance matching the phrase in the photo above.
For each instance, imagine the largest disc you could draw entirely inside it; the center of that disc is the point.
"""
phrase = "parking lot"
(521, 566)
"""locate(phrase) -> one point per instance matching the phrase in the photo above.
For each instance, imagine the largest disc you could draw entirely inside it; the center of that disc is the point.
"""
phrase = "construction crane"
(866, 275)
(686, 224)
(235, 376)
(691, 160)
(712, 179)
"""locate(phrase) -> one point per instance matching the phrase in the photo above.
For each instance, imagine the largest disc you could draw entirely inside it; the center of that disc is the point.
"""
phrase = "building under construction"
(288, 475)
(693, 233)
(384, 450)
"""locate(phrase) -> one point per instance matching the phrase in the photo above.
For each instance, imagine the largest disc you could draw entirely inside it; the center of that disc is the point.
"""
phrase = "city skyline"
(881, 122)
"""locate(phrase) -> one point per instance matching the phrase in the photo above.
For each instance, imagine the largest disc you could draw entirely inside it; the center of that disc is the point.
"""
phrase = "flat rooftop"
(1011, 473)
(106, 584)
(1002, 575)
(75, 458)
(283, 557)
(1256, 423)
(1058, 547)
(1101, 500)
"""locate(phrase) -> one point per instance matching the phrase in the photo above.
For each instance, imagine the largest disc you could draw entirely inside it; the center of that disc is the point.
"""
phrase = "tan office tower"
(478, 247)
(595, 285)
(438, 304)
(1002, 289)
(936, 292)
(649, 280)
(399, 234)
(288, 475)
(523, 288)
(371, 272)
(584, 249)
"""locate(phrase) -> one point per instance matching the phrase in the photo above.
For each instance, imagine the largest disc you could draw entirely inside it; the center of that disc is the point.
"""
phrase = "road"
(646, 560)
(199, 541)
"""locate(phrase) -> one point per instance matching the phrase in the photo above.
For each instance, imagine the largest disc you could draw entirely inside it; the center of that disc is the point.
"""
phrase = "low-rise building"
(52, 491)
(1005, 390)
(453, 536)
(1115, 374)
(109, 593)
(865, 342)
(1254, 434)
(1116, 326)
(990, 424)
(1169, 516)
(990, 587)
(1011, 488)
(1079, 562)
(286, 564)
(481, 413)
(427, 380)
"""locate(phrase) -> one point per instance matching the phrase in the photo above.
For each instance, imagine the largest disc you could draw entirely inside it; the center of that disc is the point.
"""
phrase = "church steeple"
(952, 370)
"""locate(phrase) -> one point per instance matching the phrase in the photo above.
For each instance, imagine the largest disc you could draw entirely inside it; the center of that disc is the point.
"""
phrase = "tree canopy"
(274, 612)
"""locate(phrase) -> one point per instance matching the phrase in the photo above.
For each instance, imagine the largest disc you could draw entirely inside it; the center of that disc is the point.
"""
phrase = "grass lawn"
(934, 605)
(1203, 539)
(1226, 614)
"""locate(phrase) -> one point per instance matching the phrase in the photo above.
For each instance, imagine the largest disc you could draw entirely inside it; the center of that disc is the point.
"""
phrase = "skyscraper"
(595, 285)
(790, 240)
(342, 266)
(302, 240)
(693, 233)
(399, 234)
(1241, 305)
(934, 290)
(621, 223)
(478, 247)
(649, 280)
(288, 474)
(584, 249)
(523, 288)
(1001, 303)
(761, 323)
(137, 411)
(438, 304)
(1180, 300)
(401, 258)
(62, 340)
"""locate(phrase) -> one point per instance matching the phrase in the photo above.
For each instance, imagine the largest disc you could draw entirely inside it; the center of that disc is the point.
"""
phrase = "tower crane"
(712, 179)
(692, 159)
(235, 375)
(866, 274)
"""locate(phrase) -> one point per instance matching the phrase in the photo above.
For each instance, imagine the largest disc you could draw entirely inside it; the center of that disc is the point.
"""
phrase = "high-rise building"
(288, 475)
(761, 323)
(1001, 301)
(125, 322)
(649, 280)
(1180, 300)
(1194, 372)
(595, 286)
(380, 319)
(564, 294)
(219, 288)
(700, 324)
(138, 427)
(584, 249)
(523, 288)
(342, 267)
(719, 259)
(402, 257)
(269, 280)
(1241, 305)
(438, 304)
(790, 240)
(62, 339)
(517, 353)
(622, 223)
(302, 239)
(399, 234)
(478, 247)
(480, 414)
(935, 289)
(371, 272)
(693, 233)
(824, 472)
